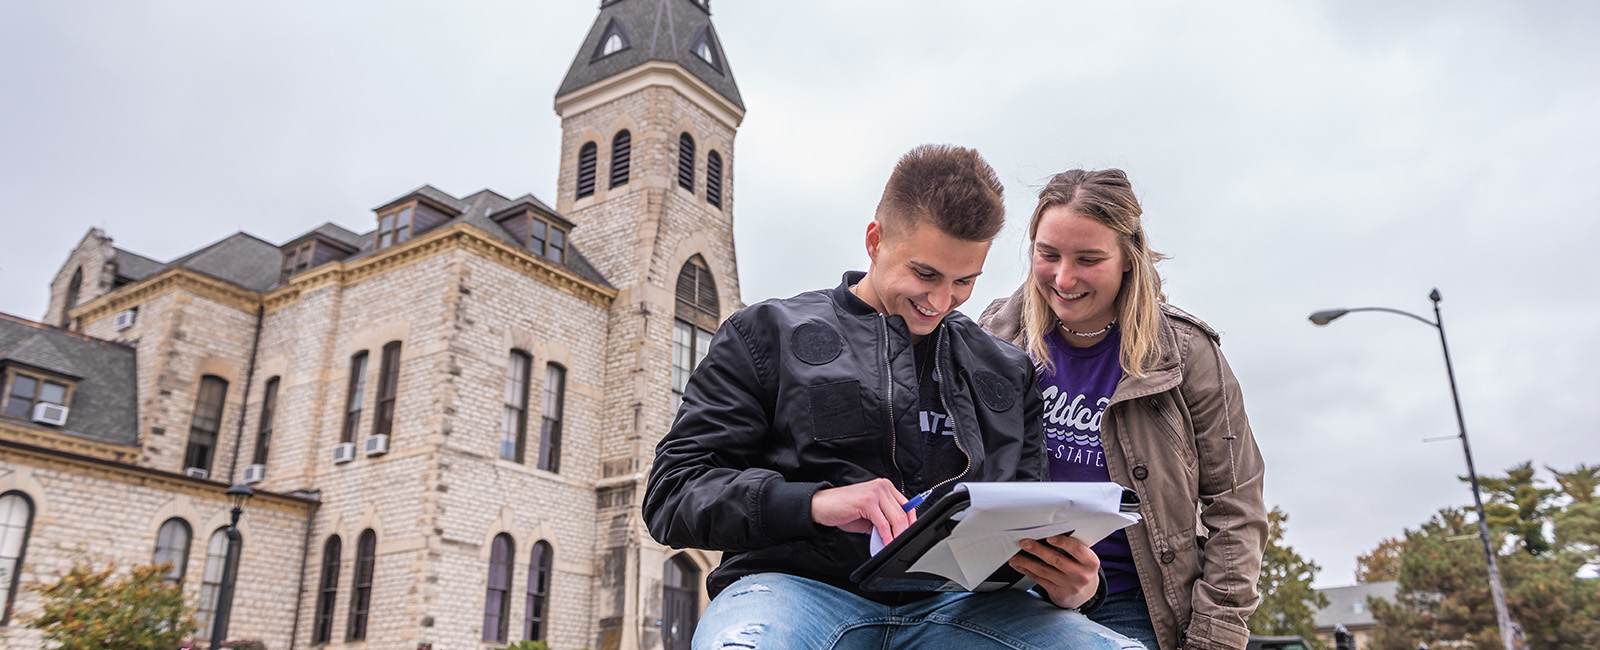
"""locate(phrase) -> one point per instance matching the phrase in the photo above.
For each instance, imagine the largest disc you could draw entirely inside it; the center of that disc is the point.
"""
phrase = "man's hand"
(862, 507)
(1066, 568)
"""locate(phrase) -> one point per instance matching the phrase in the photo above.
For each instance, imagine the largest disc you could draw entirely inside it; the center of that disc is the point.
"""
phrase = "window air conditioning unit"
(344, 452)
(197, 472)
(126, 318)
(47, 413)
(376, 445)
(255, 473)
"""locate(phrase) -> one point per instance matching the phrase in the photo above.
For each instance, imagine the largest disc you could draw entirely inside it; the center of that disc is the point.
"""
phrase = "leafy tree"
(1382, 563)
(1288, 603)
(91, 609)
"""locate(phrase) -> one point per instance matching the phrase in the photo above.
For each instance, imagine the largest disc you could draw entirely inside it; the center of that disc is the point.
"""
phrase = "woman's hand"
(1067, 569)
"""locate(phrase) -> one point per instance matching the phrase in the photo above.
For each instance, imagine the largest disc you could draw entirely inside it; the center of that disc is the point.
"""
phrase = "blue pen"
(915, 501)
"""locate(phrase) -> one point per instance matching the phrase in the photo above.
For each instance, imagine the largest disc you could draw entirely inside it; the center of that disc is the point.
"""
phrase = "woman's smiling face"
(1078, 265)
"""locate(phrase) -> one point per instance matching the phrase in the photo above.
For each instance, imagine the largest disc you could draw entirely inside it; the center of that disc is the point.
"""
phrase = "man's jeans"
(778, 611)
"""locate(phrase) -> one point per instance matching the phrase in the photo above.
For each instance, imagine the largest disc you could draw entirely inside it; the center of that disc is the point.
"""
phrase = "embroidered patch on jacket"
(995, 392)
(816, 344)
(836, 410)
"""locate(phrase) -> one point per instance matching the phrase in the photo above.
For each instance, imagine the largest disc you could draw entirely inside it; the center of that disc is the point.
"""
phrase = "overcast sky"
(1291, 156)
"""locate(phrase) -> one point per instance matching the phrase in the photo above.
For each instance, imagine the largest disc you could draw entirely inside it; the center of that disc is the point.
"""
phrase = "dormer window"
(394, 226)
(296, 259)
(703, 50)
(703, 44)
(25, 391)
(546, 240)
(544, 233)
(615, 39)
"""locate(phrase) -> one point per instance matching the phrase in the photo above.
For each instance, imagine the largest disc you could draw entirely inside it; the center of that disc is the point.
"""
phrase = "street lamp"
(237, 495)
(1502, 615)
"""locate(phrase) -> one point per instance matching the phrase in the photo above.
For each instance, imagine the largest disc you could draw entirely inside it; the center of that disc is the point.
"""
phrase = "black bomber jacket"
(805, 393)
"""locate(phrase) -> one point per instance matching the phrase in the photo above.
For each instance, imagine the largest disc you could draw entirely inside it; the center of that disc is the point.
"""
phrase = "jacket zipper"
(955, 431)
(888, 381)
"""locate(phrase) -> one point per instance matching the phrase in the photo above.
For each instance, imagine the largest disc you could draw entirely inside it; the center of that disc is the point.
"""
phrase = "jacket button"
(1168, 556)
(1141, 473)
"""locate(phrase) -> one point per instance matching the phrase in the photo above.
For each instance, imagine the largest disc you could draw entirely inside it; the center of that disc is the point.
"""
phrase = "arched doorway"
(680, 602)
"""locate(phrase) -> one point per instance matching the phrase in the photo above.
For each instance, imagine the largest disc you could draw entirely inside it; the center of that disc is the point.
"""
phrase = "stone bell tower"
(649, 110)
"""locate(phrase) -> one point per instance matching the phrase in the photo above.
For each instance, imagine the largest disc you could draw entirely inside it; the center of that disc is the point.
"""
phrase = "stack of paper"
(1003, 514)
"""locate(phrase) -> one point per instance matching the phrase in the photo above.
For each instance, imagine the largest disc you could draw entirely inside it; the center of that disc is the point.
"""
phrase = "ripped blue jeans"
(771, 611)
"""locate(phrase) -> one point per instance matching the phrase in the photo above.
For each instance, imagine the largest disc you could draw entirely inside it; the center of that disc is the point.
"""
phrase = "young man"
(812, 420)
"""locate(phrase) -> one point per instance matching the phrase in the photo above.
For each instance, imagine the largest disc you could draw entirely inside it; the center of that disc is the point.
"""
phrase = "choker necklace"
(1087, 335)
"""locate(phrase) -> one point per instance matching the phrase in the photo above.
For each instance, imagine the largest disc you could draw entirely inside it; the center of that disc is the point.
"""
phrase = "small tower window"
(686, 162)
(613, 40)
(714, 179)
(587, 159)
(704, 51)
(621, 157)
(703, 44)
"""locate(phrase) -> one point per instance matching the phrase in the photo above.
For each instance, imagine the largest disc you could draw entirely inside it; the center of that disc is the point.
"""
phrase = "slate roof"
(1341, 609)
(654, 30)
(105, 404)
(134, 266)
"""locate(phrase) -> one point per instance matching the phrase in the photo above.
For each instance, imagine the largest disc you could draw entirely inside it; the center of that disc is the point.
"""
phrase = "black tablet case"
(890, 569)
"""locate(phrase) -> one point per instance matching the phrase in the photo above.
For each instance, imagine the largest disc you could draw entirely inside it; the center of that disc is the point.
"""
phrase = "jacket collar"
(849, 301)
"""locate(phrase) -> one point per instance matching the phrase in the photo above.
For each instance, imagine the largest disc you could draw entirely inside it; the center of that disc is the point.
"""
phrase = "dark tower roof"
(679, 31)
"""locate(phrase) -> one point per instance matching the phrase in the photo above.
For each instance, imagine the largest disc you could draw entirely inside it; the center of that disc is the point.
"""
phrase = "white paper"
(1003, 514)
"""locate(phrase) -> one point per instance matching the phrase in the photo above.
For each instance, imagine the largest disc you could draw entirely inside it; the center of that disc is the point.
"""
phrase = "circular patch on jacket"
(816, 344)
(995, 392)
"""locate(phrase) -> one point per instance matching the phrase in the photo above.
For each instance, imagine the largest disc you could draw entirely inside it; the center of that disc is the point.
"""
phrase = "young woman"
(1137, 392)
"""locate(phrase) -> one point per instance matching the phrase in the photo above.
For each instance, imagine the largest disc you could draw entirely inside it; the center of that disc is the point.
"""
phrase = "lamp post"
(237, 495)
(1502, 615)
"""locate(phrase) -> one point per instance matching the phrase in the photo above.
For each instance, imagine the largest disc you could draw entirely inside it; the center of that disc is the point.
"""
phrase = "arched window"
(686, 162)
(714, 179)
(533, 627)
(680, 602)
(16, 523)
(497, 600)
(73, 287)
(269, 403)
(211, 581)
(555, 397)
(514, 418)
(696, 317)
(354, 396)
(388, 389)
(172, 545)
(613, 44)
(621, 156)
(588, 158)
(327, 591)
(361, 586)
(206, 422)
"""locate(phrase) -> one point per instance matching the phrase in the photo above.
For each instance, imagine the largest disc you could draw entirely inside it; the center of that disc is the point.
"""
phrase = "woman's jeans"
(1127, 613)
(780, 611)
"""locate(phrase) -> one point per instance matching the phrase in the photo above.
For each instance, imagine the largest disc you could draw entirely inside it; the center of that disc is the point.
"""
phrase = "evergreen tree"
(97, 610)
(1288, 603)
(1519, 506)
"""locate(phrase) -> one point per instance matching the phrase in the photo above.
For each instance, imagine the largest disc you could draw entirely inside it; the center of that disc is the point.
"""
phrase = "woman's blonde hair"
(1107, 197)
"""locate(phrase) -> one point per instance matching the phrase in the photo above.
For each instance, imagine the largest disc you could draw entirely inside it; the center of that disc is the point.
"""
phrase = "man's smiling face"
(919, 273)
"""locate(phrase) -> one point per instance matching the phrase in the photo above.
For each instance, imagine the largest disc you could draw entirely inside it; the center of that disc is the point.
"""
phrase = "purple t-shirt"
(1075, 399)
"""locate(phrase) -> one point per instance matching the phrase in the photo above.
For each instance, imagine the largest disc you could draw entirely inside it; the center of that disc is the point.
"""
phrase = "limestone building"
(447, 419)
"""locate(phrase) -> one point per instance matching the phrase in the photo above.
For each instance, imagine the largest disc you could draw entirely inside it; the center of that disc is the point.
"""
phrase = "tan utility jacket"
(1179, 437)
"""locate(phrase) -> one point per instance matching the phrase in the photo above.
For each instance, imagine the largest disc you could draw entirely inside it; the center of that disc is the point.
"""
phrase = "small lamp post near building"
(237, 496)
(1502, 615)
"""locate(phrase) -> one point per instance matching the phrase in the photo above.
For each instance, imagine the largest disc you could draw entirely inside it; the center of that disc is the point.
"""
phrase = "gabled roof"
(335, 232)
(452, 205)
(652, 30)
(105, 404)
(37, 351)
(1342, 601)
